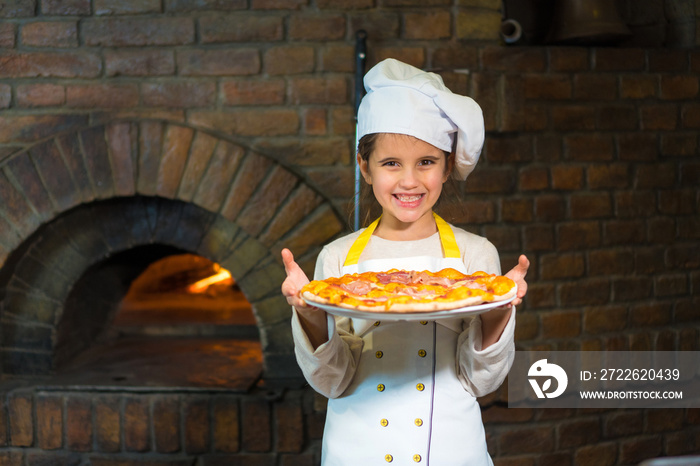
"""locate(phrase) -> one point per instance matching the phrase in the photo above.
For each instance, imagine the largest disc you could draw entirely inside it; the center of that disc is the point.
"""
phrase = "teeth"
(408, 198)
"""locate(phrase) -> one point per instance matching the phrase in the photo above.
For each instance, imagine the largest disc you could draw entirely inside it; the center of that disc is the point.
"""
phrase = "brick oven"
(136, 131)
(88, 211)
(82, 200)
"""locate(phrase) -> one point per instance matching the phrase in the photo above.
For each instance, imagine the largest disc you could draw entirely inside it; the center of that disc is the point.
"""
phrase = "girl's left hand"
(517, 274)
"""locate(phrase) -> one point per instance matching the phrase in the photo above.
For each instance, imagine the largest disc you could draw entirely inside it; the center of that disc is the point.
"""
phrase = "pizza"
(409, 291)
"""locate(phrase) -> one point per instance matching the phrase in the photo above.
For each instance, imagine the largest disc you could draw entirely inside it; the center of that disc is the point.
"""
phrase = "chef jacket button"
(380, 387)
(422, 353)
(389, 458)
(384, 422)
(418, 422)
(424, 322)
(420, 387)
(379, 354)
(376, 324)
(417, 458)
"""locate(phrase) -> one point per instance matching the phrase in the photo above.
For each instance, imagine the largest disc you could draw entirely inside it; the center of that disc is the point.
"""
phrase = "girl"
(405, 392)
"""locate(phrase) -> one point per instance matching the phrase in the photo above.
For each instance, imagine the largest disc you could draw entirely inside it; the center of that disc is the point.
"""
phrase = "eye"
(427, 162)
(390, 163)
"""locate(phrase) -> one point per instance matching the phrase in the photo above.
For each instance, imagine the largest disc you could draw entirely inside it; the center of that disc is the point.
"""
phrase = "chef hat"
(403, 99)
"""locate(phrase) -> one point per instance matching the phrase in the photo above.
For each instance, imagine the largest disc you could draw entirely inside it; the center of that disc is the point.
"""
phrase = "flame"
(201, 285)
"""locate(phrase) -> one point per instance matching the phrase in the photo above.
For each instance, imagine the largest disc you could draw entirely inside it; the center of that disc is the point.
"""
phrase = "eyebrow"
(423, 157)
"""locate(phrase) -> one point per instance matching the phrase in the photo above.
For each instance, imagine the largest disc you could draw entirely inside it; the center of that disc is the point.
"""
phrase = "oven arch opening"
(159, 325)
(40, 279)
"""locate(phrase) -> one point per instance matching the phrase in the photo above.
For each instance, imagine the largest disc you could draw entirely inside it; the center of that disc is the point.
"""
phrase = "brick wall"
(158, 429)
(590, 168)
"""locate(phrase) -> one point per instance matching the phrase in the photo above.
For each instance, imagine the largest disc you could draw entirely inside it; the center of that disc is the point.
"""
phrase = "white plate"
(409, 316)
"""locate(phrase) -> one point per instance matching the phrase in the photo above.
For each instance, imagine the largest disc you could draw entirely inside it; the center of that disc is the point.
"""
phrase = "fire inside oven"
(183, 294)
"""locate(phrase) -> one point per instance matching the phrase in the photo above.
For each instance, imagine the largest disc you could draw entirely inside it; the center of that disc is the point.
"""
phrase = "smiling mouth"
(404, 198)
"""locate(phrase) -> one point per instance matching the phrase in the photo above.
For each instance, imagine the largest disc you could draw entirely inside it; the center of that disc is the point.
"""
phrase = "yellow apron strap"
(359, 245)
(447, 237)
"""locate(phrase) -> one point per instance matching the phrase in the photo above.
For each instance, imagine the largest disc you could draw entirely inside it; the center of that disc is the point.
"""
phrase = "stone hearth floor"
(143, 363)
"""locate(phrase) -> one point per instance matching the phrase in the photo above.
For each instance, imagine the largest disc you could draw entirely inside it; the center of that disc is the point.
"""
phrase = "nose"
(409, 178)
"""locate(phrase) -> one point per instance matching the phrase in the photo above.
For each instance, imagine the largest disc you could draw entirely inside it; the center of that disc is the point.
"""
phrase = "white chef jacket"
(404, 392)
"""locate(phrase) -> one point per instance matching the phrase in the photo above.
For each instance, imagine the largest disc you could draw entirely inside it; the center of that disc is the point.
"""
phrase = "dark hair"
(366, 145)
(369, 204)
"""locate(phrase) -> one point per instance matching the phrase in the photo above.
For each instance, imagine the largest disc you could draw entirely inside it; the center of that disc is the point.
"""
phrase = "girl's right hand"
(312, 319)
(295, 281)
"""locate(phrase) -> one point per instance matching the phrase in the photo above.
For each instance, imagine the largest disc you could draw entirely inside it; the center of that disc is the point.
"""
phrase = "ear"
(364, 169)
(450, 167)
